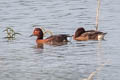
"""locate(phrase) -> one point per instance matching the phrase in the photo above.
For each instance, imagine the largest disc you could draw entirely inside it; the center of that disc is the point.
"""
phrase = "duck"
(82, 35)
(53, 39)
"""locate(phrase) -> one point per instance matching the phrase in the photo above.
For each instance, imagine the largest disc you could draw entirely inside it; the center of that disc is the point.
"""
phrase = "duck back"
(94, 35)
(58, 38)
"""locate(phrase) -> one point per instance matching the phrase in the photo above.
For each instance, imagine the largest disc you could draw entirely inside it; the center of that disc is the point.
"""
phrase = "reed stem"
(97, 14)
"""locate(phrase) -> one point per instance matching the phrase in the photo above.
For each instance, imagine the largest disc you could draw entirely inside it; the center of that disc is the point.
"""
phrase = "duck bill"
(31, 35)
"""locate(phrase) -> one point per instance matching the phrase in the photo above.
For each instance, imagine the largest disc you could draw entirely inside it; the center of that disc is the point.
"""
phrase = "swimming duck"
(82, 35)
(54, 39)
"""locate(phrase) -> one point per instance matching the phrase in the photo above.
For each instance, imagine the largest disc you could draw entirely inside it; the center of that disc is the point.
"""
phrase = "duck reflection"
(41, 46)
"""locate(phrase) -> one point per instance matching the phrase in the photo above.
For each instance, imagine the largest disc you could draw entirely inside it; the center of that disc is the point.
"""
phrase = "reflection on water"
(100, 62)
(41, 46)
(20, 59)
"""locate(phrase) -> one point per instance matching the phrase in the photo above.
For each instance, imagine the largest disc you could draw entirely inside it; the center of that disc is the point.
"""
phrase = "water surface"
(21, 60)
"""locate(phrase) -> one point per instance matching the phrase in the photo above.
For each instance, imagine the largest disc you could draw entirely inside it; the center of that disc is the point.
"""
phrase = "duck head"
(38, 32)
(79, 31)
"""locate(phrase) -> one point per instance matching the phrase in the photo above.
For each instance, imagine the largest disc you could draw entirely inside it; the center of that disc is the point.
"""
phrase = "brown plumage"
(82, 35)
(54, 39)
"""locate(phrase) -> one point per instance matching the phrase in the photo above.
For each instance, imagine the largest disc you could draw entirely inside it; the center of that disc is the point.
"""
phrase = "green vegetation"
(10, 33)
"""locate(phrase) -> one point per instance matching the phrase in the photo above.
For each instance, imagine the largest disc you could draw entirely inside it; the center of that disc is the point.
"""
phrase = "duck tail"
(66, 35)
(101, 36)
(104, 33)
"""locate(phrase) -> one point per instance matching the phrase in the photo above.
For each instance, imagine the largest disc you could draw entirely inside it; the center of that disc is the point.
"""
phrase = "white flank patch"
(100, 37)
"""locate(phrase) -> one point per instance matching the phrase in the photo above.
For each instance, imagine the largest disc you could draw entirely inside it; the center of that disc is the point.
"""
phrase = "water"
(21, 60)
